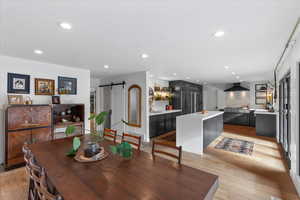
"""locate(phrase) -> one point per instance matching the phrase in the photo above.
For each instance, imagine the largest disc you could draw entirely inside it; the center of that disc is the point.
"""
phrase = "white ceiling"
(177, 35)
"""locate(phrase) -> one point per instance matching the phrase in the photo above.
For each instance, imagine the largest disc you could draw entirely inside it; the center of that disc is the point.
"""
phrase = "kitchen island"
(196, 131)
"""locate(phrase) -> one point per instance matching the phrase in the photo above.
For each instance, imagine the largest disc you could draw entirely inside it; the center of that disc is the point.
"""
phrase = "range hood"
(236, 87)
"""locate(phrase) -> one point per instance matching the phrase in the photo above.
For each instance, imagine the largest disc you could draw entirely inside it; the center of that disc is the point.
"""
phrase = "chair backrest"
(35, 170)
(27, 153)
(110, 133)
(43, 190)
(166, 145)
(132, 139)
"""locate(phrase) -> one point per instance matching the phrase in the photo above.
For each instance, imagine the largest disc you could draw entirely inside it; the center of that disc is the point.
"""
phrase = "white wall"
(42, 70)
(237, 99)
(291, 63)
(159, 105)
(210, 97)
(120, 102)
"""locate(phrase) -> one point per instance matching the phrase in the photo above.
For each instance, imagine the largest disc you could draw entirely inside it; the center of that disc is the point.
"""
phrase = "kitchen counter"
(196, 131)
(163, 112)
(265, 112)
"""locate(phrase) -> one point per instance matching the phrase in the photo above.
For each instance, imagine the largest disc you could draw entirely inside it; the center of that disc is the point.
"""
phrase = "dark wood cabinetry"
(35, 124)
(187, 96)
(163, 123)
(29, 124)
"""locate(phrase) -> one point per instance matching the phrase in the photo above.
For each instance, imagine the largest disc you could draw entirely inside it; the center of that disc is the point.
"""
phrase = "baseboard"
(296, 181)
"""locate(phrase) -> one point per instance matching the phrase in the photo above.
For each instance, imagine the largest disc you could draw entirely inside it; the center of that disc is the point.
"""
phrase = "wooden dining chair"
(27, 156)
(133, 140)
(168, 146)
(111, 134)
(42, 188)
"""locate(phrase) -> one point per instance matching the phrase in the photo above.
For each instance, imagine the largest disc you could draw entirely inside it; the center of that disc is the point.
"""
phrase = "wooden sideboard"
(25, 123)
(34, 124)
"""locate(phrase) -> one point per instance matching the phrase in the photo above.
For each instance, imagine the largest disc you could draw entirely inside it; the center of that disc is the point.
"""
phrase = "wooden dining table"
(138, 178)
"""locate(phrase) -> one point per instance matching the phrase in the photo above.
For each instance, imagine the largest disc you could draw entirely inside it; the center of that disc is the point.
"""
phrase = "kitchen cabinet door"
(153, 126)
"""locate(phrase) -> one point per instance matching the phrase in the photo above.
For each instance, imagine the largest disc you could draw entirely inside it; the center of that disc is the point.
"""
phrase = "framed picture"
(44, 87)
(15, 99)
(18, 83)
(67, 85)
(55, 99)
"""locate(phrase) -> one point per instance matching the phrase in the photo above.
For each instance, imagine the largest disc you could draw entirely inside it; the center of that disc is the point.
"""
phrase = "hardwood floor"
(242, 177)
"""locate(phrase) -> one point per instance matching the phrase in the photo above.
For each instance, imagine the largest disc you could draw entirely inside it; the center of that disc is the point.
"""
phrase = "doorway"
(285, 117)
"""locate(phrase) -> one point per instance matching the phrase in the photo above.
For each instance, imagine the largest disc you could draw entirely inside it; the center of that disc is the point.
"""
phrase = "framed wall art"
(18, 83)
(44, 87)
(15, 99)
(67, 85)
(55, 99)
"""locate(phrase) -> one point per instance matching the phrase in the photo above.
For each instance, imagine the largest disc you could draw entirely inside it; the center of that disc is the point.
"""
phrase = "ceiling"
(177, 36)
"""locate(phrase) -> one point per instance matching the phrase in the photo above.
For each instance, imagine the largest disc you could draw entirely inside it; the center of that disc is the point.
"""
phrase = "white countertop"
(199, 115)
(163, 112)
(265, 112)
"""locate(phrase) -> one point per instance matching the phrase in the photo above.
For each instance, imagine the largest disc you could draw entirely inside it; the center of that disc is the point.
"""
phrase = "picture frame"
(67, 85)
(44, 87)
(15, 99)
(18, 83)
(55, 99)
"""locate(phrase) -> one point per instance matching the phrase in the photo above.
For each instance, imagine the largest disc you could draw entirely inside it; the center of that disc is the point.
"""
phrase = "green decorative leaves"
(124, 149)
(99, 118)
(70, 130)
(75, 147)
(76, 143)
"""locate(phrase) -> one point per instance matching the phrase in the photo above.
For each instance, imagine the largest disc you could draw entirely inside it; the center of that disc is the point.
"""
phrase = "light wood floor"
(242, 177)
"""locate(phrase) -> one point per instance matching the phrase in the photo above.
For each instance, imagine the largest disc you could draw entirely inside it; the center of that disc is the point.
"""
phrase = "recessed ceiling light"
(197, 81)
(226, 67)
(145, 56)
(106, 66)
(65, 25)
(219, 34)
(174, 74)
(38, 51)
(204, 83)
(237, 77)
(242, 80)
(233, 73)
(188, 77)
(151, 75)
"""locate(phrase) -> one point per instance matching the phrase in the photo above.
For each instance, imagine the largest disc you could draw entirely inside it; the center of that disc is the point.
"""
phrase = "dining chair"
(111, 134)
(27, 156)
(166, 146)
(43, 190)
(133, 140)
(35, 175)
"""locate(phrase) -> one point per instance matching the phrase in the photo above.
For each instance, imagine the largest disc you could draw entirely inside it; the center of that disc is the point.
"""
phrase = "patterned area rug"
(236, 145)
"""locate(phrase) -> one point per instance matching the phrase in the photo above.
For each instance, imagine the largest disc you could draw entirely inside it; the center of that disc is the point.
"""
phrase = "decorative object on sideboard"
(55, 99)
(15, 99)
(67, 85)
(44, 87)
(18, 83)
(28, 100)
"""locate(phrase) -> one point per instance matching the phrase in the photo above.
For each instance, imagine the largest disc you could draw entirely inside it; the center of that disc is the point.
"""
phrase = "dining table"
(139, 178)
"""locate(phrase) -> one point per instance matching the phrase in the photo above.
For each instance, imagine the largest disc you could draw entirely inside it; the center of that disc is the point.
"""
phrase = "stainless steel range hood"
(236, 87)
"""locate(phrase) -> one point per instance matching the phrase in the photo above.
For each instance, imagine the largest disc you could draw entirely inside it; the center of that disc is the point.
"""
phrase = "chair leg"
(30, 189)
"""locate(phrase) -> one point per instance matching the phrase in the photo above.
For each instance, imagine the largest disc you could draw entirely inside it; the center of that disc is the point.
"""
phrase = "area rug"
(236, 145)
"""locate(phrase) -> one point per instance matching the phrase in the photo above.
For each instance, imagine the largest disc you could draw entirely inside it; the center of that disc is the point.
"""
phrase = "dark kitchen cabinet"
(162, 123)
(187, 96)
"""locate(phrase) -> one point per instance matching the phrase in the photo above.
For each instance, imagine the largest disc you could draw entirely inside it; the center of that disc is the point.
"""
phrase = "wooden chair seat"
(166, 145)
(134, 140)
(111, 134)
